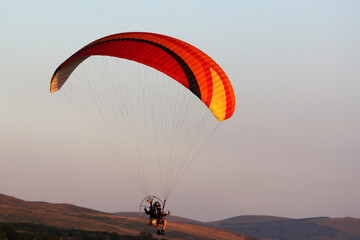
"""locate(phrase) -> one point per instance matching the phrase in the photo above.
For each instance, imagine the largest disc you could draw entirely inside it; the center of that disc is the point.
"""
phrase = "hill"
(71, 217)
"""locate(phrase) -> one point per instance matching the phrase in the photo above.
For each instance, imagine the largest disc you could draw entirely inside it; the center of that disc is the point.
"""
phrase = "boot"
(162, 232)
(158, 232)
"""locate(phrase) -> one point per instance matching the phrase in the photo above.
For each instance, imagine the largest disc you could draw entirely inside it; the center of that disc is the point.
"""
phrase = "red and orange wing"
(181, 61)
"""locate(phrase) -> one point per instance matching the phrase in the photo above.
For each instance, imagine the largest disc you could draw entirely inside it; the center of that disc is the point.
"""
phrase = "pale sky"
(291, 149)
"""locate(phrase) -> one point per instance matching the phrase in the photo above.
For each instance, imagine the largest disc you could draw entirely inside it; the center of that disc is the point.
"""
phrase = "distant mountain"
(268, 227)
(248, 219)
(67, 216)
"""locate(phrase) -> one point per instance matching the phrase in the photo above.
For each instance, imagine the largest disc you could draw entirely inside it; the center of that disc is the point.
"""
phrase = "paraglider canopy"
(181, 61)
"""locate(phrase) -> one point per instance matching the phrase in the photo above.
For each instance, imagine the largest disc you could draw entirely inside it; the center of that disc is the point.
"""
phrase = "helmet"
(157, 204)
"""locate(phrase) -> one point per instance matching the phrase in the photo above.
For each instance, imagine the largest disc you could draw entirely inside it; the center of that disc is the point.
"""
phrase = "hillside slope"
(68, 216)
